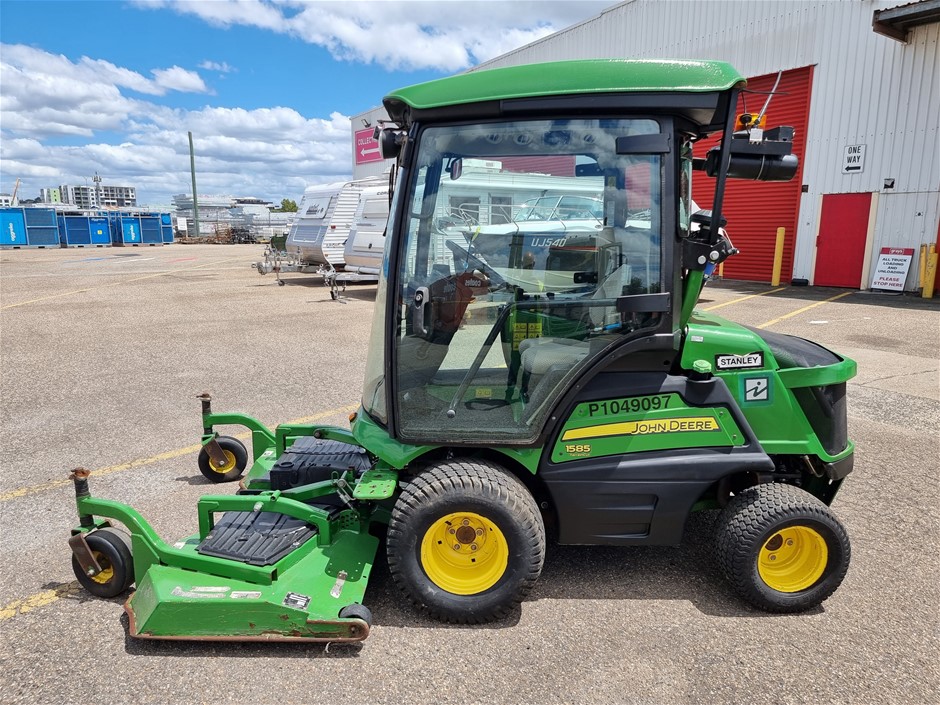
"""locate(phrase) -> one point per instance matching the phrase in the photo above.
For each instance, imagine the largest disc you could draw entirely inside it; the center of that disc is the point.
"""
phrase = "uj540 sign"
(891, 270)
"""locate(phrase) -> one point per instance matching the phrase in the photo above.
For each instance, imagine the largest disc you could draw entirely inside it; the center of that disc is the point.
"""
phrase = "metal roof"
(896, 22)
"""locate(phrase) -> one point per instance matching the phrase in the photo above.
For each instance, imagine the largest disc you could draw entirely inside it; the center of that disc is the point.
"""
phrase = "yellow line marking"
(123, 281)
(805, 308)
(40, 599)
(743, 298)
(25, 491)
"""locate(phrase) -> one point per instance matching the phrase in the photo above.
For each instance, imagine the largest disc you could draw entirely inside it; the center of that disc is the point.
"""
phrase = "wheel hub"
(107, 570)
(229, 463)
(464, 553)
(793, 559)
(466, 535)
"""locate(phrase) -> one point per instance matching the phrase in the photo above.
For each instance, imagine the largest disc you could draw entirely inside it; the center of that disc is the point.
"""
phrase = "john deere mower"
(527, 377)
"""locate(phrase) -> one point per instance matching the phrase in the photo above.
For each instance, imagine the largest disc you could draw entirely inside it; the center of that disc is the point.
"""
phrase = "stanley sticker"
(644, 428)
(754, 360)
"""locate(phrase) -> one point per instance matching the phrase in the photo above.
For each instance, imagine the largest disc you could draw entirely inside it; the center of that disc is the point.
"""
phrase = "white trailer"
(365, 245)
(320, 231)
(331, 219)
(339, 231)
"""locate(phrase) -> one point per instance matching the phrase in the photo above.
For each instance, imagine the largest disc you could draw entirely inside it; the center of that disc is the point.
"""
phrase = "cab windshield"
(517, 239)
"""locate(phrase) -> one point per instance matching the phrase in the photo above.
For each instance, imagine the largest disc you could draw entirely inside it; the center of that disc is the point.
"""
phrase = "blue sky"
(266, 86)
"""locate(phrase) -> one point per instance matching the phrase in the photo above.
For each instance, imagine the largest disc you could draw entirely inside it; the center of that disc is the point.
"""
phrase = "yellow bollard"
(922, 274)
(778, 257)
(721, 270)
(930, 273)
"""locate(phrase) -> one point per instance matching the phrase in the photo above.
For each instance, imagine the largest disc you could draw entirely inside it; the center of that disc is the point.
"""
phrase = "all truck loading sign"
(891, 270)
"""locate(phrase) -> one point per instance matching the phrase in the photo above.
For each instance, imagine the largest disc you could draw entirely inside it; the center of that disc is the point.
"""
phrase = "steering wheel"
(492, 274)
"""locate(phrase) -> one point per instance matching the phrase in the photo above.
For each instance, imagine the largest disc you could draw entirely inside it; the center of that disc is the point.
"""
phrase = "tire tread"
(475, 478)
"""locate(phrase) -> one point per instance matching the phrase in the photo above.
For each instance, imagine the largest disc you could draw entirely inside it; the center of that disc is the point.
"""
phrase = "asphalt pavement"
(102, 354)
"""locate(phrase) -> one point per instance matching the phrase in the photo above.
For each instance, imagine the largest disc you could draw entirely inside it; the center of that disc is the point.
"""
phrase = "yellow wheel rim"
(229, 463)
(793, 559)
(107, 570)
(464, 553)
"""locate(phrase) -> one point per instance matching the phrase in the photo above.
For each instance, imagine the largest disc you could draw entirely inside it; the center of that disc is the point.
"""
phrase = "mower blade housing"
(302, 602)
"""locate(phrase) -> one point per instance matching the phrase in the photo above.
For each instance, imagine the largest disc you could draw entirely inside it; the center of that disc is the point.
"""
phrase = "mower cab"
(526, 367)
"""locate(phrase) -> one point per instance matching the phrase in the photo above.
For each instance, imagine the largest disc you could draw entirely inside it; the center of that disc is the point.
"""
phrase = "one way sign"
(854, 160)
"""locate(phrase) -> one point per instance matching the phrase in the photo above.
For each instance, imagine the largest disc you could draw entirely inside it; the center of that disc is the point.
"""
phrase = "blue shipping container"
(125, 230)
(166, 226)
(99, 231)
(74, 231)
(42, 230)
(150, 230)
(12, 227)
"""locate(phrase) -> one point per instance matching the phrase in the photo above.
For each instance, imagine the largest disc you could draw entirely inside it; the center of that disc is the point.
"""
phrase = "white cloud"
(179, 79)
(273, 152)
(48, 94)
(216, 66)
(226, 13)
(269, 152)
(448, 35)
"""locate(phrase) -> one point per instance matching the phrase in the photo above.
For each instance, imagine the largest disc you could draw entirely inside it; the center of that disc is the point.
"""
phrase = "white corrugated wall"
(867, 89)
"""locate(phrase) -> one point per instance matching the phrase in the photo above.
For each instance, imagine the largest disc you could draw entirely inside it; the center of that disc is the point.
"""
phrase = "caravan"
(325, 216)
(340, 229)
(339, 233)
(365, 245)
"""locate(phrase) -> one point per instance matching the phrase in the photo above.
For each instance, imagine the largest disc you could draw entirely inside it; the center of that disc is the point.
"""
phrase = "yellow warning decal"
(644, 428)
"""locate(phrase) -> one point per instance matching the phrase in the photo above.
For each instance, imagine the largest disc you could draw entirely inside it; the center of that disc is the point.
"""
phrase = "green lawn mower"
(527, 377)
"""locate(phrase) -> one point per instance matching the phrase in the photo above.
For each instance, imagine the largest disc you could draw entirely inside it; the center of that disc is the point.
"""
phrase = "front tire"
(466, 542)
(781, 549)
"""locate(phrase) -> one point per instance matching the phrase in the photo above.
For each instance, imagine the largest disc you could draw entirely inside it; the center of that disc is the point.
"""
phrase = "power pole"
(192, 169)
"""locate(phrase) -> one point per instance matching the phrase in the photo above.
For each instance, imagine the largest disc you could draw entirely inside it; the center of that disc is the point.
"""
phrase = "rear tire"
(781, 549)
(111, 548)
(466, 542)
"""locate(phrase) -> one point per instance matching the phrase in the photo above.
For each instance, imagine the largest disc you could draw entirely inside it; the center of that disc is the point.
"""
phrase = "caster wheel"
(357, 611)
(236, 460)
(112, 549)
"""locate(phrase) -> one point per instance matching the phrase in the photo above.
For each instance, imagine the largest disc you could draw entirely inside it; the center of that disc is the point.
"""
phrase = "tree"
(287, 206)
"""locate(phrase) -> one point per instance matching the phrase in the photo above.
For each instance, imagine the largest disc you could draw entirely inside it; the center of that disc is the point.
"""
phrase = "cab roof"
(585, 79)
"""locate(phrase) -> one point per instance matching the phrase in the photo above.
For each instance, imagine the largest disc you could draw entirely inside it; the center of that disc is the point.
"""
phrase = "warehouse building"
(860, 82)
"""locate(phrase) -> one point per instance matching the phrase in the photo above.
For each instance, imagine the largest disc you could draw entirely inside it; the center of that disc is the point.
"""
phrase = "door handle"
(419, 313)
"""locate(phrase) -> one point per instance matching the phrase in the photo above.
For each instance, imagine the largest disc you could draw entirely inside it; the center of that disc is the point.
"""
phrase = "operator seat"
(543, 355)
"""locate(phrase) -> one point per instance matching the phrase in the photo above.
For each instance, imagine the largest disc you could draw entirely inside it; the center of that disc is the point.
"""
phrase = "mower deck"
(309, 587)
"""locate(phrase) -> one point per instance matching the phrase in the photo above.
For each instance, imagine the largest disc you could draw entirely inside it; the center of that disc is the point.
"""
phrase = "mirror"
(756, 167)
(390, 142)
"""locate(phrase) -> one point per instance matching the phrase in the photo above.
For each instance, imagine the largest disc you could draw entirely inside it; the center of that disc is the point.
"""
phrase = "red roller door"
(755, 209)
